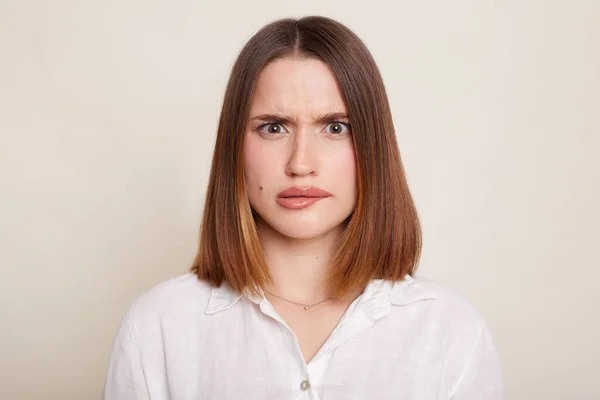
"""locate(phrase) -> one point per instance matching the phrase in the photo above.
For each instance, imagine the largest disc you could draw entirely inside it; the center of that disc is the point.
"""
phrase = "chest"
(259, 359)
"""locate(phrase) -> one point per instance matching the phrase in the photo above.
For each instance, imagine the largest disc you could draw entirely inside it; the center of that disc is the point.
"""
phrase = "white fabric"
(414, 339)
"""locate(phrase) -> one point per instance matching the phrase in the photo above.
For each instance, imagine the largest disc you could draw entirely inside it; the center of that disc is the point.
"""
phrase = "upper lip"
(306, 192)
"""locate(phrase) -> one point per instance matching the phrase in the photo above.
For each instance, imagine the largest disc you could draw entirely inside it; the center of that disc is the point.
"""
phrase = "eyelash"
(259, 128)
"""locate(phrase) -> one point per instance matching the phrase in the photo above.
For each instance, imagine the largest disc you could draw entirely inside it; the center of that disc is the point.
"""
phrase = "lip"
(295, 198)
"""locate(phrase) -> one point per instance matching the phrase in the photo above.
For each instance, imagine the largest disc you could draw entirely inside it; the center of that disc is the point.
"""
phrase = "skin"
(301, 152)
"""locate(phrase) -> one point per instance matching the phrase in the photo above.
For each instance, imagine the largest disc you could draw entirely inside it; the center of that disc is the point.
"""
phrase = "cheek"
(346, 167)
(257, 165)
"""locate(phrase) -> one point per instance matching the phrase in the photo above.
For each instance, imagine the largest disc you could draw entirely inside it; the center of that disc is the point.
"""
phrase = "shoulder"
(180, 295)
(465, 342)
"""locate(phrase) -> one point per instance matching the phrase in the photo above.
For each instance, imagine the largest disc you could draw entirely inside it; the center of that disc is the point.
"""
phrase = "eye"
(338, 128)
(272, 128)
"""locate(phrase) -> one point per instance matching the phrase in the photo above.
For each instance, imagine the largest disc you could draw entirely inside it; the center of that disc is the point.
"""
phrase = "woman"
(302, 286)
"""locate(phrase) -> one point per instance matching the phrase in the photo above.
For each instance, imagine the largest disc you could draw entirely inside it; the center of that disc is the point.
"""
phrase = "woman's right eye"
(272, 128)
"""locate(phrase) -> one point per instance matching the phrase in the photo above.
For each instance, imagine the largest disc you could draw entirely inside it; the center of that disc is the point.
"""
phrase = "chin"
(306, 229)
(303, 233)
(304, 224)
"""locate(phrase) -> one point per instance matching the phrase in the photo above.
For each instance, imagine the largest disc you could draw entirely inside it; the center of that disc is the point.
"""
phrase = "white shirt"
(414, 339)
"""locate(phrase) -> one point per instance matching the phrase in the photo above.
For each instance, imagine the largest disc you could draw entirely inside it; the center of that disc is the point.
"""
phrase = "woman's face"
(299, 159)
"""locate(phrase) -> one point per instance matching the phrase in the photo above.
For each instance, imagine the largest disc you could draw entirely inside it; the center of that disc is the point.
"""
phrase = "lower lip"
(297, 203)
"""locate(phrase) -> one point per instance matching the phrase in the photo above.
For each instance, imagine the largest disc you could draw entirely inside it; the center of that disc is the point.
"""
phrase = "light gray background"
(108, 113)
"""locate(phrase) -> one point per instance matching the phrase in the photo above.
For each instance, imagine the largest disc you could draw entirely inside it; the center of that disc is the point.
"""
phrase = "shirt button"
(304, 386)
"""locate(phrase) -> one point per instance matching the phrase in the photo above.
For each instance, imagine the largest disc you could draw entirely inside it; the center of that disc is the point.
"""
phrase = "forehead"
(297, 85)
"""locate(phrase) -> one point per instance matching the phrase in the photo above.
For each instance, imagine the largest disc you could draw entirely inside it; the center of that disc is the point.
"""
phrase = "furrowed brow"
(334, 116)
(323, 118)
(273, 117)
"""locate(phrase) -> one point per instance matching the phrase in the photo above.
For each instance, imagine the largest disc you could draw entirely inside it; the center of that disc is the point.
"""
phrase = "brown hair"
(382, 238)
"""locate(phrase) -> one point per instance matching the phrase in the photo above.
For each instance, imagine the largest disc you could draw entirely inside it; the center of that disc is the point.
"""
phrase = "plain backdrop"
(108, 115)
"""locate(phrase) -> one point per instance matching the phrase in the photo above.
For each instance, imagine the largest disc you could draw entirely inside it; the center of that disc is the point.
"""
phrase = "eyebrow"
(323, 118)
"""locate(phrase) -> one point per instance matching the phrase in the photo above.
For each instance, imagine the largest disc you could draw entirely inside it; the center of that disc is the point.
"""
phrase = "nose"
(302, 158)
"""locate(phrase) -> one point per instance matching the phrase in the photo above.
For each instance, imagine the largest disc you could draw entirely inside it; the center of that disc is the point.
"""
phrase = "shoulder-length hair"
(382, 237)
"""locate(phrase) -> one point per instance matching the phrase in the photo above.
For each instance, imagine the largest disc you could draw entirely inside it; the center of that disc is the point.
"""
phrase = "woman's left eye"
(338, 128)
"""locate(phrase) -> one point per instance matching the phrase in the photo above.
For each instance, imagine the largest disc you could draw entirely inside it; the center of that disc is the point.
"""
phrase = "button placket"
(267, 308)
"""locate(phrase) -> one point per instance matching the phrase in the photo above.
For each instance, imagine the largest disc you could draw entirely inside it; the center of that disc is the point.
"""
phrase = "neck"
(299, 267)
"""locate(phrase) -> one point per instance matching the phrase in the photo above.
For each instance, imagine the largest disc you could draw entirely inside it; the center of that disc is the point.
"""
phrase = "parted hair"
(382, 236)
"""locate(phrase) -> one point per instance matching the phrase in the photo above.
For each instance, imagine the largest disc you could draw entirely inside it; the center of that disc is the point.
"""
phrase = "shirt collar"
(221, 298)
(378, 295)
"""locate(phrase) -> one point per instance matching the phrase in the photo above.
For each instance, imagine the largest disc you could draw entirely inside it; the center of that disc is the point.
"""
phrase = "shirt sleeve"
(482, 377)
(125, 379)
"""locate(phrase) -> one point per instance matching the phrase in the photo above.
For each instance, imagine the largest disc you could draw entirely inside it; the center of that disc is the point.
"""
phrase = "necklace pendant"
(307, 307)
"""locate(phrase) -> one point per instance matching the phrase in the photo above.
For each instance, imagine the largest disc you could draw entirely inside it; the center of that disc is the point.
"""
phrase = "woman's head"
(305, 106)
(298, 136)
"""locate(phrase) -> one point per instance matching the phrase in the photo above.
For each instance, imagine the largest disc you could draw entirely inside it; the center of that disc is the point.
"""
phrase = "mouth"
(310, 191)
(295, 198)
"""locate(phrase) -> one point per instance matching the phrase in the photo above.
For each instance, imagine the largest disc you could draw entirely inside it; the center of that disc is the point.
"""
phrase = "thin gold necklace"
(305, 306)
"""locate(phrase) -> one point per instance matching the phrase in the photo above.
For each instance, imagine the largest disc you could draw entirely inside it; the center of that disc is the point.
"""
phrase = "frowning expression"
(299, 158)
